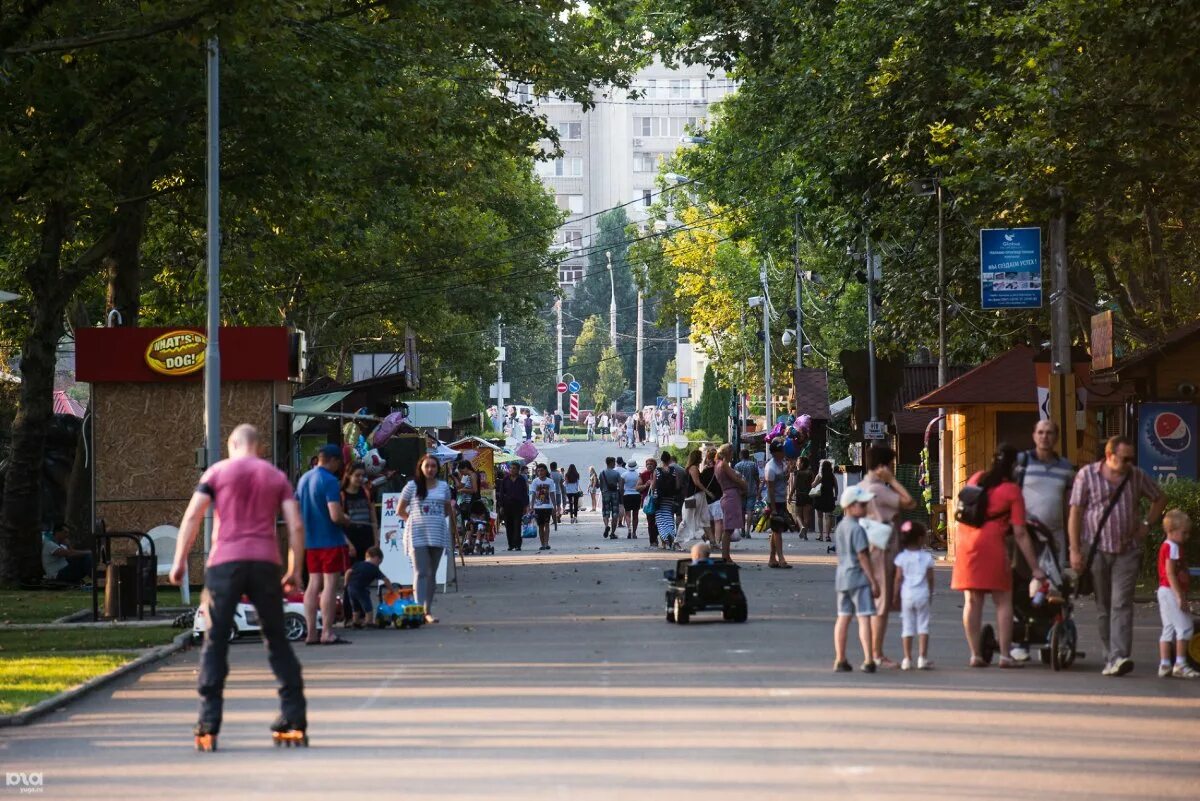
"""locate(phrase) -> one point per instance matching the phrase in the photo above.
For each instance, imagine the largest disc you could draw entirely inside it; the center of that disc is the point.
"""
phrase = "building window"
(679, 125)
(574, 239)
(647, 162)
(651, 126)
(570, 131)
(647, 197)
(570, 203)
(651, 90)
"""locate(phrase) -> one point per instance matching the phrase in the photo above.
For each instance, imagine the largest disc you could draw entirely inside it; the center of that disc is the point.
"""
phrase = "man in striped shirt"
(1118, 555)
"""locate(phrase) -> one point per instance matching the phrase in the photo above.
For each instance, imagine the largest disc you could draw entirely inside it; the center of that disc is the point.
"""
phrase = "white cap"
(855, 494)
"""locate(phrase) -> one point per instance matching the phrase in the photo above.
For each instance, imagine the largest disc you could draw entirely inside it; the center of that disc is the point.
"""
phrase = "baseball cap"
(855, 494)
(331, 451)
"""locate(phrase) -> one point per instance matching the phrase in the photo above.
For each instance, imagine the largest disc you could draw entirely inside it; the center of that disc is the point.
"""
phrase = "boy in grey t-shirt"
(855, 581)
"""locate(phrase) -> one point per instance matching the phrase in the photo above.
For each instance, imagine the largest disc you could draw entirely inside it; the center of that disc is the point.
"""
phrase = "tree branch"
(108, 37)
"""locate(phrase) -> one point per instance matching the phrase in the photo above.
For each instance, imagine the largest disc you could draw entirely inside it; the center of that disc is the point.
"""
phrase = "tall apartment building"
(612, 153)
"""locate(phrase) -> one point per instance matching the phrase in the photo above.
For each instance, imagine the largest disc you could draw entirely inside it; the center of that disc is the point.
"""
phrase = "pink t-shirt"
(247, 493)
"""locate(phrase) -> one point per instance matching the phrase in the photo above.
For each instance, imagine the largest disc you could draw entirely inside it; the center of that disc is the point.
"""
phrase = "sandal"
(335, 641)
(1009, 663)
(977, 662)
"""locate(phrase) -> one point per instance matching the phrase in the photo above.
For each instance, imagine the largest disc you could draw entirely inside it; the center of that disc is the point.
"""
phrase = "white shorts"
(714, 511)
(1177, 623)
(914, 614)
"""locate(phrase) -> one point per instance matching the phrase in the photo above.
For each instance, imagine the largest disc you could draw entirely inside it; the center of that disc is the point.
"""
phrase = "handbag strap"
(1112, 502)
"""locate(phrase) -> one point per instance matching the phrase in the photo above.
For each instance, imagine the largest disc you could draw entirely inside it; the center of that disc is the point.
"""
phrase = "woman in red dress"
(981, 563)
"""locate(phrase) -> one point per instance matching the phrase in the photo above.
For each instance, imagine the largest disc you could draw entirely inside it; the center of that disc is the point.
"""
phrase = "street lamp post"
(212, 352)
(612, 303)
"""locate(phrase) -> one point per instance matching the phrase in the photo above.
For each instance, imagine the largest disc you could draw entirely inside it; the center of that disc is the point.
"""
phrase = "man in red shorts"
(327, 548)
(246, 493)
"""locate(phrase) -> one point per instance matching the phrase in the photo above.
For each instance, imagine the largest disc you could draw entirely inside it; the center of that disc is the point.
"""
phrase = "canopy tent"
(444, 454)
(313, 404)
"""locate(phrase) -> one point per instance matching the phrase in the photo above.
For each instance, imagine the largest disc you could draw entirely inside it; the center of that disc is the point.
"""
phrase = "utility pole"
(500, 415)
(678, 383)
(799, 295)
(558, 375)
(943, 463)
(768, 406)
(212, 352)
(871, 329)
(612, 304)
(1062, 376)
(637, 390)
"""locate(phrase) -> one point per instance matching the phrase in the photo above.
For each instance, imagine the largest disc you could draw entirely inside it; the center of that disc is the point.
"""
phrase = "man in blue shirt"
(327, 547)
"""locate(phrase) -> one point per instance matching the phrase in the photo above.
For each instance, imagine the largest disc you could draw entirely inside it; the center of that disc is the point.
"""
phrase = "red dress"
(981, 558)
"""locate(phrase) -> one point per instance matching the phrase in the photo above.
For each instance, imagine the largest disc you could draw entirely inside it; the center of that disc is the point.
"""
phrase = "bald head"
(243, 441)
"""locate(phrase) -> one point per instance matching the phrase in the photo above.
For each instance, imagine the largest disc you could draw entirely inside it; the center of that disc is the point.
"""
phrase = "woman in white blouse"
(429, 524)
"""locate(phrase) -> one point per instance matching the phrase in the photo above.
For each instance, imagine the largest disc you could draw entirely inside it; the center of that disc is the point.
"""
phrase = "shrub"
(1183, 494)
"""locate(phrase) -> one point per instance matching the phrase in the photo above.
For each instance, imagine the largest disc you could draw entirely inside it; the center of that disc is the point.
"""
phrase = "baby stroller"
(1041, 618)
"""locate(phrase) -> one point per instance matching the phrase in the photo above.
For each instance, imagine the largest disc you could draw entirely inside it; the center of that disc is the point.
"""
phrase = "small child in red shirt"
(1172, 598)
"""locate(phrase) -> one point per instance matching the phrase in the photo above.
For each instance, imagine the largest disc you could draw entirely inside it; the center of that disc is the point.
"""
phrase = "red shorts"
(327, 560)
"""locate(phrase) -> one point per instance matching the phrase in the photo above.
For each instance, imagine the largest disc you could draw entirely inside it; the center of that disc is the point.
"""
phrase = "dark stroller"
(1044, 621)
(696, 588)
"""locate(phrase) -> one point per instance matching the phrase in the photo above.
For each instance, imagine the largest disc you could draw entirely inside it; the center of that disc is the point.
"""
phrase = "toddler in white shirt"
(914, 588)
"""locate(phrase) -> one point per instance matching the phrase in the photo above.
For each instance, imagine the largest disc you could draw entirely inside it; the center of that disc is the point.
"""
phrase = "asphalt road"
(555, 676)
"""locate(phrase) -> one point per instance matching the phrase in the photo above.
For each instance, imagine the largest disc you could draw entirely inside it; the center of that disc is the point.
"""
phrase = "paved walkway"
(554, 676)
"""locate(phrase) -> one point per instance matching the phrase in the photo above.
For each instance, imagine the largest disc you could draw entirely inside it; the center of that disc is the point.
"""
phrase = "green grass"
(40, 641)
(36, 664)
(26, 680)
(42, 606)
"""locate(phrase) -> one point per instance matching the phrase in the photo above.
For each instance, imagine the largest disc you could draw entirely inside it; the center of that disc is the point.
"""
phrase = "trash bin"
(120, 587)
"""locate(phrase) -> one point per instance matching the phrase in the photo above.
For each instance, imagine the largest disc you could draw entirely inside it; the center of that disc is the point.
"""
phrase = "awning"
(65, 404)
(313, 403)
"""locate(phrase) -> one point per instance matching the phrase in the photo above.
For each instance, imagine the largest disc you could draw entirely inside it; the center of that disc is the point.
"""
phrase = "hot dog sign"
(177, 353)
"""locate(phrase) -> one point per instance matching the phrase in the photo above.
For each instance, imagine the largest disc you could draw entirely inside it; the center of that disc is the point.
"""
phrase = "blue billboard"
(1010, 266)
(1166, 441)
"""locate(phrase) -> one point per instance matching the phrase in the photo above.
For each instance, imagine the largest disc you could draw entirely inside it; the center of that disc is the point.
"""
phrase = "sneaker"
(1164, 671)
(868, 667)
(1019, 653)
(923, 663)
(1109, 669)
(1185, 672)
(606, 532)
(842, 667)
(1123, 666)
(906, 664)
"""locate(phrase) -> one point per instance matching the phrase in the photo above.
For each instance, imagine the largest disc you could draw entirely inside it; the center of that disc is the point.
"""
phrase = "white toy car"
(245, 618)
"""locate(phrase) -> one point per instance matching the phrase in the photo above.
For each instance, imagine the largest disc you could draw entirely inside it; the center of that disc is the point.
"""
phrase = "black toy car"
(697, 588)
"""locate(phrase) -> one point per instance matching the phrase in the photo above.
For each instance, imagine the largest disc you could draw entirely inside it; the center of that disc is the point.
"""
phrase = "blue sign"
(660, 402)
(1010, 265)
(1166, 440)
(573, 386)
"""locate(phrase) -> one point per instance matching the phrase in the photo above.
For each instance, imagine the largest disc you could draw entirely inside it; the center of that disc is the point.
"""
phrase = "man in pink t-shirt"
(246, 494)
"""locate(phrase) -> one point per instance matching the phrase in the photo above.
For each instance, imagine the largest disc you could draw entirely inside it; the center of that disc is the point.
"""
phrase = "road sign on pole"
(874, 429)
(574, 387)
(575, 405)
(562, 387)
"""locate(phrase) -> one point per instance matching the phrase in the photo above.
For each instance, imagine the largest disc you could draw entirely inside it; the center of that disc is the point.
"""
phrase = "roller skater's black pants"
(226, 584)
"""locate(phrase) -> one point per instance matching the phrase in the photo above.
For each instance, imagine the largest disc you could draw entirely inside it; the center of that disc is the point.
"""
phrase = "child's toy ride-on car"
(704, 586)
(245, 618)
(397, 609)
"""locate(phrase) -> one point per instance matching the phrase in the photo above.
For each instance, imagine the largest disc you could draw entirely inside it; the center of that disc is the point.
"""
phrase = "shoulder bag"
(1086, 584)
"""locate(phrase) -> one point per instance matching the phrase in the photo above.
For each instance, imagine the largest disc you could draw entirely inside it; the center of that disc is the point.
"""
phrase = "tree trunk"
(1158, 259)
(123, 262)
(20, 517)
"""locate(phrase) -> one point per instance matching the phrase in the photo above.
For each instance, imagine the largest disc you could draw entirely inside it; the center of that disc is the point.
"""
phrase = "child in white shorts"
(1172, 598)
(914, 588)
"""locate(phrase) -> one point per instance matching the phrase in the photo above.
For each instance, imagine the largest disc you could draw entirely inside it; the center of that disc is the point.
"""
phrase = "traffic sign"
(505, 388)
(874, 429)
(562, 387)
(574, 405)
(574, 386)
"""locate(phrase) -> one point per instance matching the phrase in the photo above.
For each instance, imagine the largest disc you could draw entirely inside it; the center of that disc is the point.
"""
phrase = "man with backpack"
(1045, 480)
(1106, 536)
(610, 497)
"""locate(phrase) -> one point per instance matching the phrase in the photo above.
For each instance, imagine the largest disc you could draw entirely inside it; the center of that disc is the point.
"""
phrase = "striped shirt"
(427, 524)
(1092, 492)
(1044, 485)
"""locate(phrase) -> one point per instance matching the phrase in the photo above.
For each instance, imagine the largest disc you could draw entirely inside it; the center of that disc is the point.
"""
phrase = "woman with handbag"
(695, 501)
(733, 494)
(982, 565)
(824, 495)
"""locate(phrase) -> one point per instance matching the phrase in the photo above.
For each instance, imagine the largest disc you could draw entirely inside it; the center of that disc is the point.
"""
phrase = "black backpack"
(665, 483)
(971, 506)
